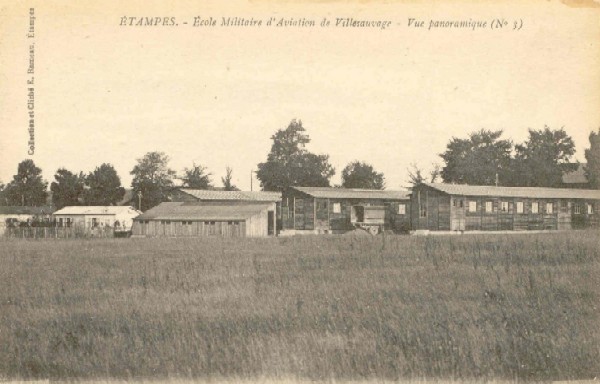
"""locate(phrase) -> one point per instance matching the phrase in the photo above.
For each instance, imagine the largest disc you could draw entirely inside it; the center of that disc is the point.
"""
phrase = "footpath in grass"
(491, 307)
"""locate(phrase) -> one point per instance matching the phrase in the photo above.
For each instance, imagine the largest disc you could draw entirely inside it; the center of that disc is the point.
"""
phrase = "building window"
(472, 206)
(549, 207)
(402, 209)
(590, 209)
(504, 206)
(519, 207)
(94, 222)
(576, 209)
(489, 206)
(337, 208)
(535, 207)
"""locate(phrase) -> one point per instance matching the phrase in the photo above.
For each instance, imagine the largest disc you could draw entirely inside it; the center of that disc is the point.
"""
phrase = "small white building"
(118, 217)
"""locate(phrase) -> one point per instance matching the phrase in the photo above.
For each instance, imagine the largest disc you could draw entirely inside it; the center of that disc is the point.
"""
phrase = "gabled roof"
(96, 210)
(20, 210)
(215, 211)
(347, 193)
(535, 192)
(575, 177)
(202, 194)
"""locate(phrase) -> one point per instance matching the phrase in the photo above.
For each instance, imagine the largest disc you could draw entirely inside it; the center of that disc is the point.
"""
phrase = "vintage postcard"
(206, 190)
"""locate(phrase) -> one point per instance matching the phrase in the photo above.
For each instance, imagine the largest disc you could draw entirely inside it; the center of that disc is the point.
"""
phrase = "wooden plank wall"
(155, 228)
(398, 222)
(340, 221)
(298, 213)
(309, 213)
(496, 220)
(322, 214)
(304, 212)
(447, 213)
(258, 225)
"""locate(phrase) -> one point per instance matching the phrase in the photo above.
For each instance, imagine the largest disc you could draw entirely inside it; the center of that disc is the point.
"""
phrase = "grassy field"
(490, 307)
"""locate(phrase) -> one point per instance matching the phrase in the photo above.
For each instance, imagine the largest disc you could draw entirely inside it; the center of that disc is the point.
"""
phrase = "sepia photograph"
(262, 191)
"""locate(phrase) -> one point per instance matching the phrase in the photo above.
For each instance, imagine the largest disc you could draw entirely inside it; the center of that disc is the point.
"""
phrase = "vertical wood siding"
(446, 212)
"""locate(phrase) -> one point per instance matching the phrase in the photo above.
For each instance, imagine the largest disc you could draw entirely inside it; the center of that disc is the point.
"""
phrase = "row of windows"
(534, 206)
(505, 206)
(337, 207)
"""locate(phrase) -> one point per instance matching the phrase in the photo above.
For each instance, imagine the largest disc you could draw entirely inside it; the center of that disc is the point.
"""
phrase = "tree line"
(482, 158)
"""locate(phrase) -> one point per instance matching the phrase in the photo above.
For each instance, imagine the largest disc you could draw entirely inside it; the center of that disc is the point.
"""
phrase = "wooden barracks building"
(338, 210)
(197, 213)
(456, 207)
(319, 210)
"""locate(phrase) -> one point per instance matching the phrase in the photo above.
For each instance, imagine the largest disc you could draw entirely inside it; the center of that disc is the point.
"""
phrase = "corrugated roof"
(203, 211)
(202, 194)
(347, 193)
(536, 192)
(20, 210)
(95, 210)
(575, 177)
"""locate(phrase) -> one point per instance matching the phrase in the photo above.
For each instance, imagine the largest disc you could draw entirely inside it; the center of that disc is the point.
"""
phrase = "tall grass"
(454, 307)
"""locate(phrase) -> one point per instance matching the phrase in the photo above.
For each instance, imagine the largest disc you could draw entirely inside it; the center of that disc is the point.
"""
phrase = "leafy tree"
(227, 180)
(543, 158)
(478, 159)
(153, 178)
(290, 164)
(362, 175)
(27, 187)
(67, 188)
(592, 156)
(196, 178)
(2, 193)
(103, 186)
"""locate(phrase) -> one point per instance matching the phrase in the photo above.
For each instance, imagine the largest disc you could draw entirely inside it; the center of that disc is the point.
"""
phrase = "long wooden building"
(456, 207)
(198, 219)
(338, 210)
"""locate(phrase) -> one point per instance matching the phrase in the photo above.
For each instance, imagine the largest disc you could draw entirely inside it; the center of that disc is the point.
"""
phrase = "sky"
(213, 96)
